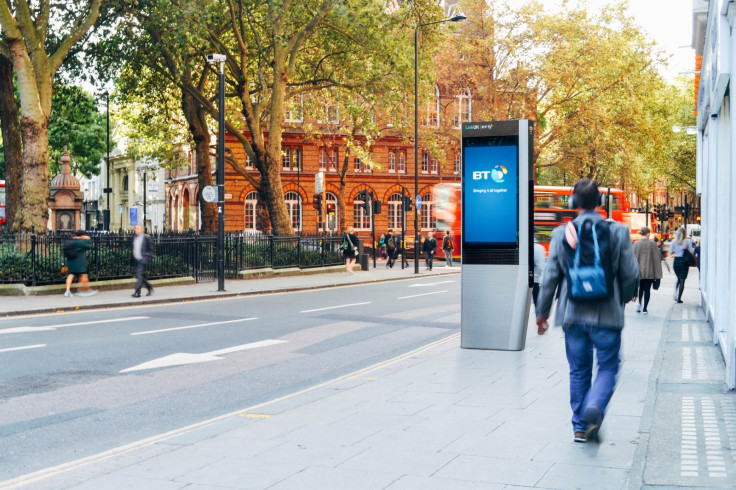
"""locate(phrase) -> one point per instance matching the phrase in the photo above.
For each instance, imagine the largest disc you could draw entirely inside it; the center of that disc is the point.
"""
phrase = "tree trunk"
(9, 120)
(34, 188)
(195, 114)
(272, 190)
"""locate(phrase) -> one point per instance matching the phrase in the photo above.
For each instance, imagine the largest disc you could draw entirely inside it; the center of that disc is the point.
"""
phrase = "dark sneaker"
(580, 437)
(593, 418)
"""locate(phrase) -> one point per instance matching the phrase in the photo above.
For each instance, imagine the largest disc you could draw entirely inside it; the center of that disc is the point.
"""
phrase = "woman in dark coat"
(681, 267)
(77, 265)
(351, 252)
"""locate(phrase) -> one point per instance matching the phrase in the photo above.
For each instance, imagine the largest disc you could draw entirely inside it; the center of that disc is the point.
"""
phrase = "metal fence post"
(33, 255)
(270, 248)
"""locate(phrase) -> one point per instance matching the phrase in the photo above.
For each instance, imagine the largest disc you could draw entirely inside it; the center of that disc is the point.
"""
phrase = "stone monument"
(65, 198)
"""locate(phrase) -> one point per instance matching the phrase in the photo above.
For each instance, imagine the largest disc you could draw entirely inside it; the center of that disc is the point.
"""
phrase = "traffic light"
(317, 202)
(363, 196)
(407, 203)
(330, 208)
(376, 207)
(686, 210)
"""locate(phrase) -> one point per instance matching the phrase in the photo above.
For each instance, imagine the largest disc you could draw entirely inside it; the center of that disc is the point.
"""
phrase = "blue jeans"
(448, 258)
(580, 341)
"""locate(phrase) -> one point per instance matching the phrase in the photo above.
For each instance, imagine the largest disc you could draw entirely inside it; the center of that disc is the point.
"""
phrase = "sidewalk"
(444, 418)
(284, 280)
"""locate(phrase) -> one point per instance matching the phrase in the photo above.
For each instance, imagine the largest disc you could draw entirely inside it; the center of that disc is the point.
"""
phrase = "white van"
(693, 231)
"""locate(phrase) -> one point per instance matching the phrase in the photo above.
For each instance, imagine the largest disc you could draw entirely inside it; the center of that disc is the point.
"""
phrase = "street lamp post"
(108, 189)
(212, 59)
(454, 18)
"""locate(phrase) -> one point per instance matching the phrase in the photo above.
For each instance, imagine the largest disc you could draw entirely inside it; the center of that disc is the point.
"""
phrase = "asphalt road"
(77, 384)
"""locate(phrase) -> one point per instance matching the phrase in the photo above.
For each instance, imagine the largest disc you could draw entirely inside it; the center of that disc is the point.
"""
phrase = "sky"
(667, 22)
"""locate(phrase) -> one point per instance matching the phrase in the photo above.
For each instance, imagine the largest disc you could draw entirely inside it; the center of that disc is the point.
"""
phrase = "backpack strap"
(596, 248)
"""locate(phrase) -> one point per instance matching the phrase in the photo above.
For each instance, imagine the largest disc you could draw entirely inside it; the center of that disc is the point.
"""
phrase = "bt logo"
(497, 174)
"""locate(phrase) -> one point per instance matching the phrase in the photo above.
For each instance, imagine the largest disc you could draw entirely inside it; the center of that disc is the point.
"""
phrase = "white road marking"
(182, 358)
(430, 284)
(24, 347)
(333, 307)
(46, 328)
(194, 326)
(425, 294)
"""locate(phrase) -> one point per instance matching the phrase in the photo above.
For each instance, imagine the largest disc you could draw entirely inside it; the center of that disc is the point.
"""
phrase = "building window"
(435, 165)
(425, 162)
(392, 161)
(332, 113)
(294, 111)
(294, 208)
(250, 204)
(429, 222)
(402, 161)
(358, 164)
(334, 157)
(125, 183)
(323, 158)
(433, 110)
(291, 158)
(362, 220)
(464, 108)
(395, 211)
(456, 165)
(248, 162)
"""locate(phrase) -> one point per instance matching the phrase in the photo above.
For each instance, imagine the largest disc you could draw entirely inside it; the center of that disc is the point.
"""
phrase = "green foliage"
(76, 123)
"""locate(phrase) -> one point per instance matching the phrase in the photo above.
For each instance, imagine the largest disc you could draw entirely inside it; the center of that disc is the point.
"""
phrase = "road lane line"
(429, 284)
(24, 347)
(333, 307)
(425, 294)
(45, 328)
(194, 326)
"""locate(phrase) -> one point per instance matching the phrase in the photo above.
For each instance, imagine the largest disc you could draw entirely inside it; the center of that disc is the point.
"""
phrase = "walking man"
(592, 326)
(142, 254)
(448, 245)
(430, 248)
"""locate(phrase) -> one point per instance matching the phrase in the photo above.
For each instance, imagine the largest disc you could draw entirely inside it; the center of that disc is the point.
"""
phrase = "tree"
(37, 47)
(11, 140)
(75, 123)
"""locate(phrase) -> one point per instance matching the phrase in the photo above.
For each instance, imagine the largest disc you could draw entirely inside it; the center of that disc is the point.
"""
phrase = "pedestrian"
(75, 252)
(349, 249)
(539, 260)
(649, 259)
(401, 247)
(142, 255)
(430, 248)
(593, 326)
(391, 249)
(680, 248)
(448, 245)
(382, 246)
(696, 253)
(660, 247)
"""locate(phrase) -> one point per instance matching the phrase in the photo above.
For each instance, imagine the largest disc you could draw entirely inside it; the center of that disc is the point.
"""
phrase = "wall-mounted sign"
(209, 193)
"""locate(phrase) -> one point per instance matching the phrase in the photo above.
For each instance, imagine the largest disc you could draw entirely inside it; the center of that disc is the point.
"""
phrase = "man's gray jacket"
(607, 313)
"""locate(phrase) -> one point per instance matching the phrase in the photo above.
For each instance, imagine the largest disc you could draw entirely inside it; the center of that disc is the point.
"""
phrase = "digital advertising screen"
(490, 192)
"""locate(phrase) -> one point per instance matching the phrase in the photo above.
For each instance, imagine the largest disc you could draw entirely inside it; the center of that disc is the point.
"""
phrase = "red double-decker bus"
(551, 209)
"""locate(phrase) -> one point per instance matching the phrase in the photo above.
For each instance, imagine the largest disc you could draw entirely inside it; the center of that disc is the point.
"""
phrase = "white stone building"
(715, 40)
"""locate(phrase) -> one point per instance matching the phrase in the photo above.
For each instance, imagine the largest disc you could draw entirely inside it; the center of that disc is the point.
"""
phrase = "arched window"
(362, 220)
(395, 211)
(429, 222)
(294, 208)
(125, 183)
(250, 204)
(464, 107)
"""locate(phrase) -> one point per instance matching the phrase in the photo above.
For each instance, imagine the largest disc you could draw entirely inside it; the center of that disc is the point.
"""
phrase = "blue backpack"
(589, 275)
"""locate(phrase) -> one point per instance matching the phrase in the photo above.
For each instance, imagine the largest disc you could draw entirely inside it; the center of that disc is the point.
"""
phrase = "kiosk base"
(491, 317)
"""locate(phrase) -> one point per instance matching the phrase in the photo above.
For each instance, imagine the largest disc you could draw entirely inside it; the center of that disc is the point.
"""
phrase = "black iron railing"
(37, 259)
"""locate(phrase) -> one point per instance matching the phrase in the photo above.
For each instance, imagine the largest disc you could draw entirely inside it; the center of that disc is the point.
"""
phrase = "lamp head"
(457, 17)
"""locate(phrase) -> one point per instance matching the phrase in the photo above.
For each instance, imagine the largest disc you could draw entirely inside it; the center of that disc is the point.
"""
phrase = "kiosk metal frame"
(497, 233)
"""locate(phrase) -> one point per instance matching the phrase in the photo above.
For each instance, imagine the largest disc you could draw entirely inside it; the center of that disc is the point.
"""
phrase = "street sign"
(133, 216)
(209, 193)
(319, 182)
(419, 202)
(153, 187)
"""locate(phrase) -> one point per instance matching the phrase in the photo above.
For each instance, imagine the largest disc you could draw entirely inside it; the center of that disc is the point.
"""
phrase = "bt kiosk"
(497, 234)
